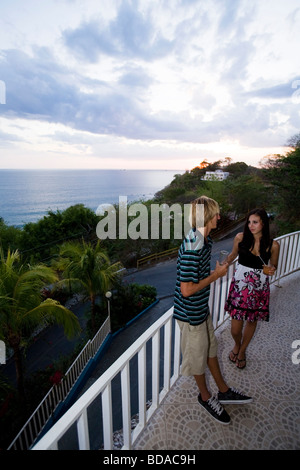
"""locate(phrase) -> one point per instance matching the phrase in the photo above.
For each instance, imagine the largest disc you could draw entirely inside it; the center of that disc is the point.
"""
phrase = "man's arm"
(190, 288)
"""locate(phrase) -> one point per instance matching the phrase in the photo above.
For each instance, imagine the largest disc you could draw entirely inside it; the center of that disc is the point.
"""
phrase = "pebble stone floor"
(272, 420)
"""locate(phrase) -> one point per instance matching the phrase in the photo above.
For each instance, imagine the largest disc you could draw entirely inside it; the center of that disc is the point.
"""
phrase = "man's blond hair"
(211, 208)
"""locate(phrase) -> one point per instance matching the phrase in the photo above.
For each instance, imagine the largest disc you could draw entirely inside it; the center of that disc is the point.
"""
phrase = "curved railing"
(144, 374)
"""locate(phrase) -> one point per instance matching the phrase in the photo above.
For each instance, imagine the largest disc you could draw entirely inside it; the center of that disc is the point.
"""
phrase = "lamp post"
(108, 296)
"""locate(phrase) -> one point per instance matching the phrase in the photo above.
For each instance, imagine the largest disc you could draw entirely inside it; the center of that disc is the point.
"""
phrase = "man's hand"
(221, 269)
(190, 288)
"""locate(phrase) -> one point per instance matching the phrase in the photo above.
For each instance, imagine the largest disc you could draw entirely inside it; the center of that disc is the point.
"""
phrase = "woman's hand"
(272, 270)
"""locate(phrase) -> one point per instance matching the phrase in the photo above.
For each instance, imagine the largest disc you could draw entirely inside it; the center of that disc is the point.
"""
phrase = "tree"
(245, 193)
(40, 240)
(283, 174)
(9, 236)
(294, 141)
(22, 307)
(88, 270)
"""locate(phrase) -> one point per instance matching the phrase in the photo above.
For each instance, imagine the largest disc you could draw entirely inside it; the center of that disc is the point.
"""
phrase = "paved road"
(163, 274)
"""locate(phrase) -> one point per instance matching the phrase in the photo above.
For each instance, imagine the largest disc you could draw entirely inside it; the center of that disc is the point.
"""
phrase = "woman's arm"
(237, 239)
(274, 257)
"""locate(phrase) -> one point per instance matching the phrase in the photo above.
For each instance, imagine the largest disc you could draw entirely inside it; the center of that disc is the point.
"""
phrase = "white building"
(218, 175)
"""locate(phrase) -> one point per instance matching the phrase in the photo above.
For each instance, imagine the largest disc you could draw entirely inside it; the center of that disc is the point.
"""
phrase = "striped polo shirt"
(193, 264)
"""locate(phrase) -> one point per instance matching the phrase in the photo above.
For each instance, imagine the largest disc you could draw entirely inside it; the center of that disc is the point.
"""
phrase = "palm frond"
(52, 310)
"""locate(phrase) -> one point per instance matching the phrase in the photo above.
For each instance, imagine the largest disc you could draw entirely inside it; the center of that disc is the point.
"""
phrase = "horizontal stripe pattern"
(192, 266)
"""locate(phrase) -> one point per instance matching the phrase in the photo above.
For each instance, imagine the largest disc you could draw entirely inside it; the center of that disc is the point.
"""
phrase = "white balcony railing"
(155, 377)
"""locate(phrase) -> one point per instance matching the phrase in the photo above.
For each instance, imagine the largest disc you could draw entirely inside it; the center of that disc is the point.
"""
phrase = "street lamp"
(108, 296)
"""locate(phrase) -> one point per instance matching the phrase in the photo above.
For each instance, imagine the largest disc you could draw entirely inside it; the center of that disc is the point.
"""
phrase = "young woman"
(249, 293)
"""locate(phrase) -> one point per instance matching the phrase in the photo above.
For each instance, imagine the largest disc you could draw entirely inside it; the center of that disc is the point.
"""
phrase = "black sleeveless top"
(246, 258)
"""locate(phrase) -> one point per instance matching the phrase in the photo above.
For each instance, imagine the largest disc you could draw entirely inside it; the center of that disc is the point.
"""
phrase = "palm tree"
(22, 307)
(88, 269)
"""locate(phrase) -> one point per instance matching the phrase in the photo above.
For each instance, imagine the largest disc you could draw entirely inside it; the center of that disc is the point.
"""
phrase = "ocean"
(28, 195)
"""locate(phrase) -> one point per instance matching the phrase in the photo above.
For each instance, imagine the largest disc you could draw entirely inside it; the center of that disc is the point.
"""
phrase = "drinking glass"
(223, 256)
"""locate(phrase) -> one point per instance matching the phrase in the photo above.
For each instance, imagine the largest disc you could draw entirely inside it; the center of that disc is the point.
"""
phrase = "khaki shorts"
(198, 343)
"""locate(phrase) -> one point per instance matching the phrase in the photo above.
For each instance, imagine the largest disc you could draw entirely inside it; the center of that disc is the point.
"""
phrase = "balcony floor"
(272, 420)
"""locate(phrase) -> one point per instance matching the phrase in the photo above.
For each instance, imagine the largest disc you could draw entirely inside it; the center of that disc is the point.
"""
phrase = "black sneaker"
(233, 396)
(215, 409)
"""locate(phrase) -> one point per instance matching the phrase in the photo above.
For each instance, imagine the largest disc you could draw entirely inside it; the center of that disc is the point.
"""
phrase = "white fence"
(58, 393)
(162, 342)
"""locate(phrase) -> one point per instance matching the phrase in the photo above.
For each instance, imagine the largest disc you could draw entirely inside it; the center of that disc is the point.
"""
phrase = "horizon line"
(93, 169)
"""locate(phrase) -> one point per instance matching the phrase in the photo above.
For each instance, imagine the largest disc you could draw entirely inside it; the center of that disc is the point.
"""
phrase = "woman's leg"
(236, 333)
(249, 331)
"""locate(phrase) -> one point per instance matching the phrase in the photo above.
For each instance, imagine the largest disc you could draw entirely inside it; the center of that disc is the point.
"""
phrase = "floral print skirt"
(249, 295)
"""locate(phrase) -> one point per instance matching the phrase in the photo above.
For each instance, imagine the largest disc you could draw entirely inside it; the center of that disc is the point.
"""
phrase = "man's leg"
(201, 382)
(211, 403)
(213, 365)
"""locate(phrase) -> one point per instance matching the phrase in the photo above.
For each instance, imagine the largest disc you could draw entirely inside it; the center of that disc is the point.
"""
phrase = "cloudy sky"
(147, 83)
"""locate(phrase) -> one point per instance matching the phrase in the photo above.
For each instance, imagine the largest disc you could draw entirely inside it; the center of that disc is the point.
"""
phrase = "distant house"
(218, 175)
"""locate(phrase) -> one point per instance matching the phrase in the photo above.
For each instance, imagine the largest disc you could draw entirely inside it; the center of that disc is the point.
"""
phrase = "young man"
(191, 310)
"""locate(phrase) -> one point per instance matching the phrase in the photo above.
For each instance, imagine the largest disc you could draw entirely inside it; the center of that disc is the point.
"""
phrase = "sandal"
(238, 362)
(234, 355)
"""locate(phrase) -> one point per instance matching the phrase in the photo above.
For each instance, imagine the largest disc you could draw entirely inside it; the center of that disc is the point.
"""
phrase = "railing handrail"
(156, 256)
(290, 262)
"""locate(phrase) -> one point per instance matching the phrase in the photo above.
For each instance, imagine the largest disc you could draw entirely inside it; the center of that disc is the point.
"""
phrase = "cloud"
(230, 16)
(49, 92)
(40, 88)
(130, 35)
(281, 91)
(191, 73)
(136, 77)
(35, 86)
(8, 139)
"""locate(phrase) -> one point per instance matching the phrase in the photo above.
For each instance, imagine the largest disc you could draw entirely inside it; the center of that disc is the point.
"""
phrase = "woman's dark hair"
(248, 239)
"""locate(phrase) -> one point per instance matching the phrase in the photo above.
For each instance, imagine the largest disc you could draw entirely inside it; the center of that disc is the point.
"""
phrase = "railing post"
(107, 417)
(126, 408)
(167, 356)
(83, 431)
(142, 385)
(155, 369)
(177, 334)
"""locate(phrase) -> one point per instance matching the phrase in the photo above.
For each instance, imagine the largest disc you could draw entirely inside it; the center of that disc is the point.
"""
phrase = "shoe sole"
(217, 420)
(236, 402)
